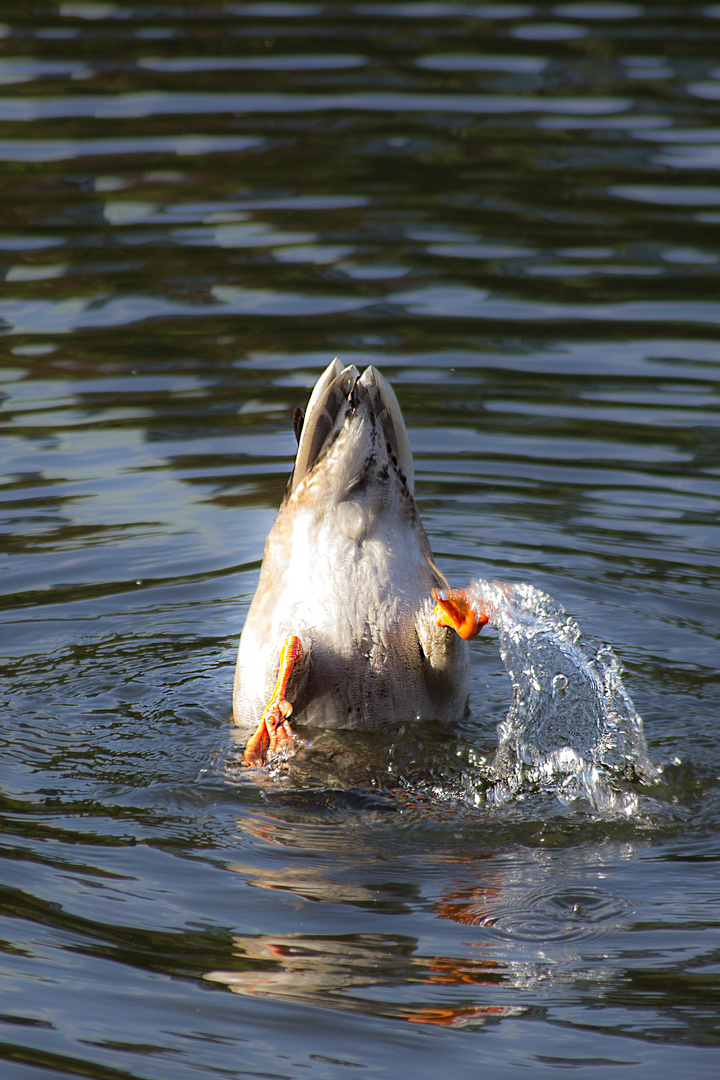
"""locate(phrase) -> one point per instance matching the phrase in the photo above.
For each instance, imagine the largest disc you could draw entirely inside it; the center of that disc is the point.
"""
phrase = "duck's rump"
(385, 678)
(372, 656)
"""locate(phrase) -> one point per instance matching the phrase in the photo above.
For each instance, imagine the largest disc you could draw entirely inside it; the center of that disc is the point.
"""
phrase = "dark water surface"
(514, 211)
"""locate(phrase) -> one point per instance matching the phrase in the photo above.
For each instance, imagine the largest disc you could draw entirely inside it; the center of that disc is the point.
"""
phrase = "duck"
(352, 625)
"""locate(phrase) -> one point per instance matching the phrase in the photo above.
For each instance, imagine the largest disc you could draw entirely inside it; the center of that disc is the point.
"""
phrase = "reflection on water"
(512, 210)
(513, 910)
(334, 973)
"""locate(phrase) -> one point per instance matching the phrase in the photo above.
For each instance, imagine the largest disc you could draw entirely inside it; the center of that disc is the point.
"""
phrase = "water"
(511, 210)
(572, 728)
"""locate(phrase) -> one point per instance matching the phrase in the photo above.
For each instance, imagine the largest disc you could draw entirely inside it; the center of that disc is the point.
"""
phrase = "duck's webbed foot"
(455, 608)
(274, 733)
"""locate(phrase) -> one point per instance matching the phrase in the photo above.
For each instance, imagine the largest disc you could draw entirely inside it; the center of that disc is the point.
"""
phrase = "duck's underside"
(352, 624)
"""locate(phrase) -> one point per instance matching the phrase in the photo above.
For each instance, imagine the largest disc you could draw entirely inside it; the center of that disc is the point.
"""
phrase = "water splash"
(572, 727)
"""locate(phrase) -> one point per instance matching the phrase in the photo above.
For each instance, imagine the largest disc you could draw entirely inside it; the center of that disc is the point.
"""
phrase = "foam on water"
(572, 728)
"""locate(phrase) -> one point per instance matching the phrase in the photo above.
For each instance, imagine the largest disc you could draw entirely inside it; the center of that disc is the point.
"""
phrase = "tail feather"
(337, 388)
(386, 410)
(323, 417)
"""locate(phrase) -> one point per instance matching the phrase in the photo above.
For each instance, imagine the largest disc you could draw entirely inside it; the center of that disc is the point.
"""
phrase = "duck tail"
(384, 406)
(336, 389)
(323, 417)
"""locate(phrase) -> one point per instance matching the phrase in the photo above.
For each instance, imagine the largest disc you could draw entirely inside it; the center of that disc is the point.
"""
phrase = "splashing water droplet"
(572, 727)
(559, 684)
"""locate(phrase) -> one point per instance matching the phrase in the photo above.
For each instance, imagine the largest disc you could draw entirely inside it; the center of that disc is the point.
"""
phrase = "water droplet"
(559, 684)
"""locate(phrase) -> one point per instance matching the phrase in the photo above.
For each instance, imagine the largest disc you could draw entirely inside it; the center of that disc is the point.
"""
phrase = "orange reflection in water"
(384, 974)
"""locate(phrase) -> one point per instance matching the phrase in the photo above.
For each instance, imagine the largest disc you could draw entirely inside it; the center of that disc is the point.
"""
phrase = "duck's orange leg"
(274, 733)
(454, 608)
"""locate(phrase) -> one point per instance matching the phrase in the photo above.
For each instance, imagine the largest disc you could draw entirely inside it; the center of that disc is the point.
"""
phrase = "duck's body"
(346, 582)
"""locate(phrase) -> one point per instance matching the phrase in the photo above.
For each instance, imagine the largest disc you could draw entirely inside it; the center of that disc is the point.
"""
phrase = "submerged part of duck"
(342, 631)
(572, 728)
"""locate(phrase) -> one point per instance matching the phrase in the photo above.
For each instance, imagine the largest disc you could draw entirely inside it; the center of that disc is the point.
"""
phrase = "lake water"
(513, 210)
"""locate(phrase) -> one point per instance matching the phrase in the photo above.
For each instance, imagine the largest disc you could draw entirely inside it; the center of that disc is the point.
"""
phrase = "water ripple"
(569, 914)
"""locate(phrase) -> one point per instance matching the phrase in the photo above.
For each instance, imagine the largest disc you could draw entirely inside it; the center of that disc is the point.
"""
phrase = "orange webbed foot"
(454, 608)
(274, 733)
